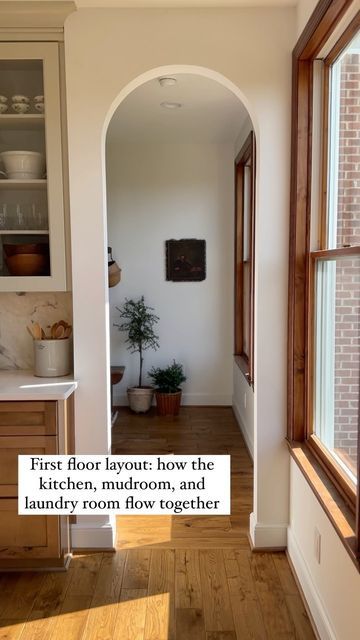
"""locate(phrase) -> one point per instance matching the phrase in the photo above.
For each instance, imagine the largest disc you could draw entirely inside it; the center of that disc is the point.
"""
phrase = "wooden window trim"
(244, 361)
(321, 25)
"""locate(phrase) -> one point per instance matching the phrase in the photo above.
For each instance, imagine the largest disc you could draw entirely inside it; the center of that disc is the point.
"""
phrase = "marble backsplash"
(19, 310)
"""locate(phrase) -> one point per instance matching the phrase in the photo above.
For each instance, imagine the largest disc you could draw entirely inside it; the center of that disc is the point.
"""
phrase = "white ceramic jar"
(52, 357)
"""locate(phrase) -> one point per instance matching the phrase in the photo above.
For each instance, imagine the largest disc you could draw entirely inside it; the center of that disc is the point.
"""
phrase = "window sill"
(244, 368)
(334, 505)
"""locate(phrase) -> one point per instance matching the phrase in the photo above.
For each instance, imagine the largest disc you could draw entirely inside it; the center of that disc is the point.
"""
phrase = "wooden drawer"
(27, 418)
(11, 448)
(27, 536)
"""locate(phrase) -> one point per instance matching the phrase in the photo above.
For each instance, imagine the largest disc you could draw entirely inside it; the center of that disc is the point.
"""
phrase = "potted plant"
(139, 322)
(168, 393)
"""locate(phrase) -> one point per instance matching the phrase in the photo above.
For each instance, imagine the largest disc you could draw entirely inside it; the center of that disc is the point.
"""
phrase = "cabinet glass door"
(32, 238)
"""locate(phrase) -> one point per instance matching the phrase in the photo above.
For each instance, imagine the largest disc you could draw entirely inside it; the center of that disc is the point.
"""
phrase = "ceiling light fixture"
(171, 105)
(167, 82)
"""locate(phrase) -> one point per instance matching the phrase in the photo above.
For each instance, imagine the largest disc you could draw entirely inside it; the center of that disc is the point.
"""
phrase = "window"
(244, 257)
(324, 273)
(334, 367)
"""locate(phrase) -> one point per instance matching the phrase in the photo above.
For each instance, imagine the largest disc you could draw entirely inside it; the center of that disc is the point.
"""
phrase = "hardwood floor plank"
(217, 606)
(284, 572)
(11, 629)
(244, 601)
(222, 635)
(188, 593)
(71, 622)
(137, 567)
(47, 606)
(277, 621)
(160, 613)
(17, 604)
(101, 620)
(85, 574)
(110, 577)
(102, 616)
(303, 628)
(130, 621)
(190, 624)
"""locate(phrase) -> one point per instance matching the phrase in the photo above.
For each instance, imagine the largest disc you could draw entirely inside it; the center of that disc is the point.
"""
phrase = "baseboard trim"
(91, 536)
(302, 596)
(266, 537)
(188, 399)
(248, 442)
(317, 610)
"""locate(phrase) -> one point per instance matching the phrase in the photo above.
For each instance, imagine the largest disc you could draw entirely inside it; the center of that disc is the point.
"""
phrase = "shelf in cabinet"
(23, 184)
(22, 121)
(24, 232)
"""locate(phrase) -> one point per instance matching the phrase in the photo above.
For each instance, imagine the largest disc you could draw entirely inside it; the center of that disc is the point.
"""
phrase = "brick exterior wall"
(347, 304)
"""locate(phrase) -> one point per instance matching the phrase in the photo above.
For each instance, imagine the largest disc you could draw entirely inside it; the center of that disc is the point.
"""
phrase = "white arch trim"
(170, 70)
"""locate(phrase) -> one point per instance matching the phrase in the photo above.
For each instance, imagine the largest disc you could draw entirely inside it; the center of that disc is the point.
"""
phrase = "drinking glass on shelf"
(39, 217)
(3, 217)
(19, 219)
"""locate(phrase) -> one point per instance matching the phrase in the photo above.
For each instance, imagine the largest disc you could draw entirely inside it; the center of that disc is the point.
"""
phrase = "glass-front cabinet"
(32, 221)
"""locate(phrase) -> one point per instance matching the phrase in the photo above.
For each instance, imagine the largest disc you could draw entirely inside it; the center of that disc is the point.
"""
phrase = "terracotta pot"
(140, 398)
(168, 404)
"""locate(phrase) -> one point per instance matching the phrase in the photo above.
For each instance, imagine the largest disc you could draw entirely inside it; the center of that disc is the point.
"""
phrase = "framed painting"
(186, 260)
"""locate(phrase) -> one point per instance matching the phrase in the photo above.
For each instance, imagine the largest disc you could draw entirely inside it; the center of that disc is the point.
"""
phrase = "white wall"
(332, 587)
(160, 192)
(304, 11)
(105, 51)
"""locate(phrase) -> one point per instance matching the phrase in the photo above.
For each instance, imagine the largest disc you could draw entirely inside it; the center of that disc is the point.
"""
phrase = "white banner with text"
(157, 485)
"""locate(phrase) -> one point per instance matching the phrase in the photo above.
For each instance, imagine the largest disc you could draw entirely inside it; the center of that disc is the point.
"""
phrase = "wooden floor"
(177, 578)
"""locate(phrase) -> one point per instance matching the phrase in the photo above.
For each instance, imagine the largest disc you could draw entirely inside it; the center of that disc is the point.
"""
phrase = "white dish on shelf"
(20, 107)
(20, 98)
(3, 107)
(3, 99)
(23, 165)
(38, 99)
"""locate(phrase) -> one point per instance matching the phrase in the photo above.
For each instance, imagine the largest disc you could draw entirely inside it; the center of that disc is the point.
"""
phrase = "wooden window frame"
(245, 157)
(319, 29)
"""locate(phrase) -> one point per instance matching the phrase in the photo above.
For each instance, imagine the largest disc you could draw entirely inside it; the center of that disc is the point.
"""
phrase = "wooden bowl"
(27, 264)
(39, 247)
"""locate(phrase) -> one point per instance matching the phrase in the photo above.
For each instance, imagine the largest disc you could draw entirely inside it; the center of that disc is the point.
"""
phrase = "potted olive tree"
(139, 322)
(168, 392)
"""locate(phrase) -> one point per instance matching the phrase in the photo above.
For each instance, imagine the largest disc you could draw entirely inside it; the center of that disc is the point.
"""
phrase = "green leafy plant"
(139, 322)
(168, 380)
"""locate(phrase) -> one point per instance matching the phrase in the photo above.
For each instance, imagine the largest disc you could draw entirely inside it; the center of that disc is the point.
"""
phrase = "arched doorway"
(170, 174)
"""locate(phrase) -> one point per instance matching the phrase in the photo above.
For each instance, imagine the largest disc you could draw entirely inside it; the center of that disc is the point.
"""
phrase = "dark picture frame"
(186, 260)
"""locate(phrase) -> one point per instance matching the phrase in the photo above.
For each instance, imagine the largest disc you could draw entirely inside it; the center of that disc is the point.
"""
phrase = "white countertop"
(23, 385)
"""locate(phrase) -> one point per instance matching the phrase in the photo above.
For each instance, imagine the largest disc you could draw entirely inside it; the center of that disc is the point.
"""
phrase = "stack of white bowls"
(20, 103)
(3, 104)
(39, 104)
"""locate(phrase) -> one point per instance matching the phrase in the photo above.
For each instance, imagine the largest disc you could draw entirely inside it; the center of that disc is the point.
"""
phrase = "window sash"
(244, 257)
(320, 410)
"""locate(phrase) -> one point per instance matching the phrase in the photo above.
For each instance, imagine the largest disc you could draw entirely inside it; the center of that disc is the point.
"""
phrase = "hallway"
(218, 589)
(171, 578)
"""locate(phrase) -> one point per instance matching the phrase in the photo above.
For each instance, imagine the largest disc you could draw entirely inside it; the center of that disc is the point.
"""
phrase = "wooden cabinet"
(28, 428)
(32, 209)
